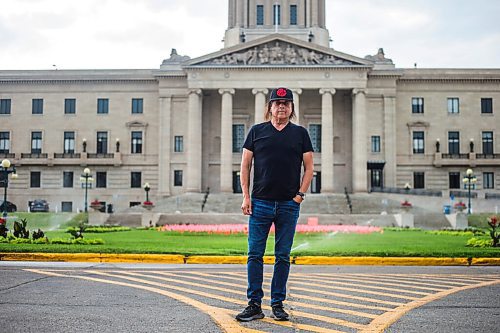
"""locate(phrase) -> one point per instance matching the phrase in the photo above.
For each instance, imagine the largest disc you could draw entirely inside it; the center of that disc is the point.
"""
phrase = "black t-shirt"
(277, 159)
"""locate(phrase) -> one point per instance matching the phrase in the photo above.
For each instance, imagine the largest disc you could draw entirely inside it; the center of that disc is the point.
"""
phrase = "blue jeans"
(284, 214)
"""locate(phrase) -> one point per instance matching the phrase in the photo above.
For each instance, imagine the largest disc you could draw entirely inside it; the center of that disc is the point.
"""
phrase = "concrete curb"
(306, 260)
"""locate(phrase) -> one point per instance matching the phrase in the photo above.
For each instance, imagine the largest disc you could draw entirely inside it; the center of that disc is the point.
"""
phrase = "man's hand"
(298, 199)
(246, 206)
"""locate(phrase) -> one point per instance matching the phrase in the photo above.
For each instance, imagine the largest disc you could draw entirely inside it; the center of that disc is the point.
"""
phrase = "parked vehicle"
(39, 205)
(11, 208)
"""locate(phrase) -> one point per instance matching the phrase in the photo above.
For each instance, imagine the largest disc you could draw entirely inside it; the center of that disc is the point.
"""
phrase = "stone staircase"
(373, 208)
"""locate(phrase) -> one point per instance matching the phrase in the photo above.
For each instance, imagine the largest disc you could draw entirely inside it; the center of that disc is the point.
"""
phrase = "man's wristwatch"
(302, 195)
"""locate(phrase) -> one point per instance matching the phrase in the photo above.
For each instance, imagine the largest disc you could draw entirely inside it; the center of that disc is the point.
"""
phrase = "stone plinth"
(149, 219)
(404, 219)
(97, 218)
(458, 220)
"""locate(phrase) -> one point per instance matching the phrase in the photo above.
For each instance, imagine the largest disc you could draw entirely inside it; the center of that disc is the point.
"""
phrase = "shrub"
(478, 242)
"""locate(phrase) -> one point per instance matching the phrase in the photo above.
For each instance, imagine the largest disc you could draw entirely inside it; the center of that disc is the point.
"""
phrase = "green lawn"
(390, 243)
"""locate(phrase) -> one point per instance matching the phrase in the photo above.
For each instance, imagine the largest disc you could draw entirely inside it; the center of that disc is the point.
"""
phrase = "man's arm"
(246, 167)
(308, 174)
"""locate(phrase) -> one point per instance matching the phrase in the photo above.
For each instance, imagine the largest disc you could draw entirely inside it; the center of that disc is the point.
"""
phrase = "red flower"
(493, 220)
(2, 220)
(281, 92)
(406, 203)
(460, 204)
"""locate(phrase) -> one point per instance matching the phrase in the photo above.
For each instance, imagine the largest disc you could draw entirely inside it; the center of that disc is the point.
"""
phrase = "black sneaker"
(279, 313)
(251, 312)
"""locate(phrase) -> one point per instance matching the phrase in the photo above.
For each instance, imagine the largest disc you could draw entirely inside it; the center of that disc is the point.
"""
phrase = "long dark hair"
(268, 115)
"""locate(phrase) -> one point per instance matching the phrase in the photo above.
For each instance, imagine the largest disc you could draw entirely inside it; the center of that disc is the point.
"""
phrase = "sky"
(139, 34)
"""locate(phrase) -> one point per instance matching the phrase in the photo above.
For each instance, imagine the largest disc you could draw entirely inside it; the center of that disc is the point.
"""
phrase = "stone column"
(315, 20)
(359, 154)
(240, 11)
(327, 140)
(164, 145)
(390, 140)
(194, 167)
(226, 141)
(260, 104)
(296, 102)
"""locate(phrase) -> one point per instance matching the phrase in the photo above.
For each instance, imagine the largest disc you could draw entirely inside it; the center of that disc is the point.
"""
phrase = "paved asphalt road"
(69, 297)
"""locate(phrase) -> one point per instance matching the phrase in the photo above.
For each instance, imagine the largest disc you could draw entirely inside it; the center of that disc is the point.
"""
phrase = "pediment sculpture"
(276, 53)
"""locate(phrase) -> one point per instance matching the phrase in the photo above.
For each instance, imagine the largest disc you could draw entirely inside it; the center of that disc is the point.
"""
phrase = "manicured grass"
(389, 243)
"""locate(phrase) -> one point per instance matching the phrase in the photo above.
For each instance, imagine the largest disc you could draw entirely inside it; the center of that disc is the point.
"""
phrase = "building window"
(136, 144)
(375, 144)
(486, 105)
(4, 106)
(100, 179)
(276, 14)
(293, 14)
(37, 106)
(69, 142)
(66, 206)
(488, 180)
(102, 105)
(236, 182)
(454, 178)
(454, 143)
(418, 143)
(70, 106)
(178, 144)
(102, 143)
(316, 182)
(4, 142)
(487, 143)
(418, 180)
(36, 142)
(260, 15)
(68, 179)
(417, 105)
(453, 105)
(137, 105)
(135, 179)
(238, 138)
(315, 135)
(35, 178)
(177, 177)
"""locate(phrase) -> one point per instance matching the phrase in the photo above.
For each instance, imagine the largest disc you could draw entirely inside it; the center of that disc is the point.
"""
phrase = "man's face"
(281, 109)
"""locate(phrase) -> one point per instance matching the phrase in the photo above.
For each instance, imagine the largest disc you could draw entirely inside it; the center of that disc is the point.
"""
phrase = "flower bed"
(243, 228)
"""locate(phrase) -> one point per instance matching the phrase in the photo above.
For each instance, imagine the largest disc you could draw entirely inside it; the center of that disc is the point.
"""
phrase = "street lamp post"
(147, 188)
(5, 170)
(86, 180)
(469, 182)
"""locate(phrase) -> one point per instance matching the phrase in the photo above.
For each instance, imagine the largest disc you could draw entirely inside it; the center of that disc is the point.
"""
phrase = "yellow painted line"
(330, 293)
(94, 257)
(384, 261)
(220, 316)
(360, 286)
(399, 281)
(333, 279)
(239, 286)
(387, 319)
(447, 278)
(486, 261)
(295, 303)
(410, 279)
(302, 296)
(230, 300)
(304, 260)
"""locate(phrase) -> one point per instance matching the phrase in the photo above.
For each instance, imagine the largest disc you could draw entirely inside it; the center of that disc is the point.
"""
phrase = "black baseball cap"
(281, 94)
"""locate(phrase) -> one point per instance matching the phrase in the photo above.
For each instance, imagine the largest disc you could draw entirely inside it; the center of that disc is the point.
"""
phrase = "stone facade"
(192, 108)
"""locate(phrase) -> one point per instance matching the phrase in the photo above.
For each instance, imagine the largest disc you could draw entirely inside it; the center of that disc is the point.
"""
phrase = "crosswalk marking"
(366, 303)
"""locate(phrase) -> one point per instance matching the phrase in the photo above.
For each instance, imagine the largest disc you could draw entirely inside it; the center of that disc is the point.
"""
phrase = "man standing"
(278, 149)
